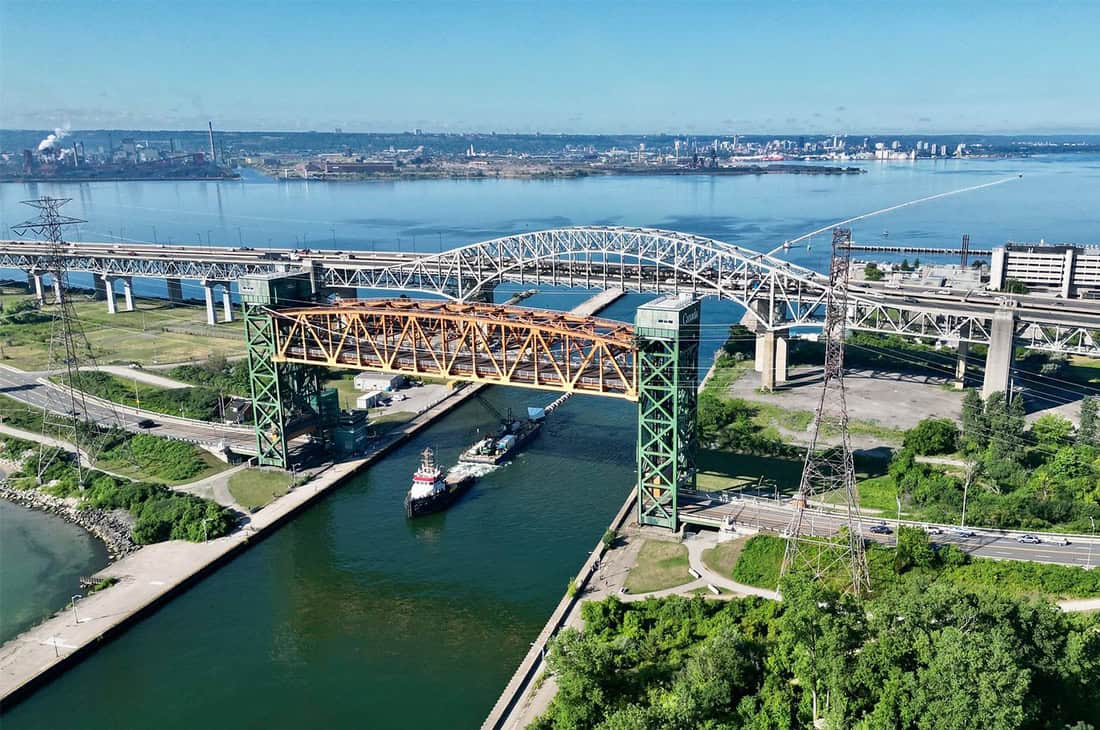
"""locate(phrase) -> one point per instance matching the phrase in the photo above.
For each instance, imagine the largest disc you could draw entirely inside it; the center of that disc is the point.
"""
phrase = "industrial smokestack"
(210, 126)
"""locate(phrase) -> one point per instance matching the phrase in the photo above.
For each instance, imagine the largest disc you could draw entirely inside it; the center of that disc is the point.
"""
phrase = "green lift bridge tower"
(667, 333)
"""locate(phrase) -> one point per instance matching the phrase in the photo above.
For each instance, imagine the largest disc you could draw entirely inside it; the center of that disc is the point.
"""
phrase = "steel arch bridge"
(776, 294)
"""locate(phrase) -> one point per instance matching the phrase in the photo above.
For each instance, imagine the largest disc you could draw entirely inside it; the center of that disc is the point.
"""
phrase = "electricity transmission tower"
(65, 412)
(827, 557)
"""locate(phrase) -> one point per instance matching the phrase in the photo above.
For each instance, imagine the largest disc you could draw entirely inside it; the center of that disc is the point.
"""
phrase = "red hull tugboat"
(430, 490)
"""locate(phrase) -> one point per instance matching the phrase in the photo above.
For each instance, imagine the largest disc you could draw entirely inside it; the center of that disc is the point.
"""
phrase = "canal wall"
(152, 575)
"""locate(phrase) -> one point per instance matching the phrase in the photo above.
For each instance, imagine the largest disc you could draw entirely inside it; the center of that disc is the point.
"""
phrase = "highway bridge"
(777, 294)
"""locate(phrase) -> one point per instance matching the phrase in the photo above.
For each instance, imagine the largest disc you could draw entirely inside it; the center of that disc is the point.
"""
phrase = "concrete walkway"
(215, 487)
(143, 376)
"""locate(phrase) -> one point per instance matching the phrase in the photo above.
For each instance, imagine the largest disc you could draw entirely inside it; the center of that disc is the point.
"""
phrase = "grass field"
(723, 557)
(1083, 370)
(213, 465)
(345, 386)
(660, 565)
(759, 562)
(154, 333)
(253, 488)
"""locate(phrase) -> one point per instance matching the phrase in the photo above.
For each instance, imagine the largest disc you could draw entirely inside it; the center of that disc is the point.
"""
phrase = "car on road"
(1028, 539)
(147, 423)
(1058, 541)
(962, 532)
(881, 529)
(933, 530)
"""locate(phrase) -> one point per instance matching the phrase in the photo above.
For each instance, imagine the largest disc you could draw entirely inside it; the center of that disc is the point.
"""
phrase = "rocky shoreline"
(112, 527)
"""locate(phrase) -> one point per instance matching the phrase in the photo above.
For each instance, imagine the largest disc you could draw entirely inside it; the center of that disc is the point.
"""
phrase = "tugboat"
(496, 447)
(430, 490)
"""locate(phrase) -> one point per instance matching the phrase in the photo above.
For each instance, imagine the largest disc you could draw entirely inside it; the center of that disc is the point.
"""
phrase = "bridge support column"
(175, 291)
(963, 351)
(667, 331)
(58, 290)
(128, 294)
(771, 358)
(998, 361)
(100, 287)
(109, 293)
(36, 282)
(227, 303)
(208, 293)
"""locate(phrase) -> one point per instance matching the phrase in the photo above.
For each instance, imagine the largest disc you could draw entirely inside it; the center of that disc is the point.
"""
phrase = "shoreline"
(110, 528)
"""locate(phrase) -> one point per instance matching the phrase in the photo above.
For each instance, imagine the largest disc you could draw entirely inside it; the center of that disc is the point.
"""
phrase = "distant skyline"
(704, 68)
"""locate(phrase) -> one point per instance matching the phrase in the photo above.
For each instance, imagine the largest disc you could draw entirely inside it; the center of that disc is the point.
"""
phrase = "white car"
(933, 530)
(1058, 541)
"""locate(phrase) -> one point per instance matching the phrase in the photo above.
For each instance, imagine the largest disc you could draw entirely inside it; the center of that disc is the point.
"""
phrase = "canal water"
(350, 614)
(42, 559)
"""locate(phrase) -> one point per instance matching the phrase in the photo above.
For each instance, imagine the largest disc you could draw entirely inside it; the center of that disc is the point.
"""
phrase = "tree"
(1006, 424)
(1014, 286)
(913, 550)
(1051, 430)
(871, 272)
(975, 427)
(905, 265)
(1087, 432)
(933, 436)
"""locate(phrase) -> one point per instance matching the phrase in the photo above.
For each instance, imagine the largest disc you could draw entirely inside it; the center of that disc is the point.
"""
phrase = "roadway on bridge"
(27, 387)
(766, 514)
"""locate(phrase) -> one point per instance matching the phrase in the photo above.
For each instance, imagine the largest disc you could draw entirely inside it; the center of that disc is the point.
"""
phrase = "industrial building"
(1065, 270)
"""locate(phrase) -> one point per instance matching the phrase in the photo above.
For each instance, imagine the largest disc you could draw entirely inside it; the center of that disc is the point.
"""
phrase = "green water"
(42, 558)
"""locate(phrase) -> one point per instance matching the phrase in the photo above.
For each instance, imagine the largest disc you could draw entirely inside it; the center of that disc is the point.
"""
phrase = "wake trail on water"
(791, 242)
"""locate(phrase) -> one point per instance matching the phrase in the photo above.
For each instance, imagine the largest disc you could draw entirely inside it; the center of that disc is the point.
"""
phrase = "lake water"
(42, 559)
(352, 615)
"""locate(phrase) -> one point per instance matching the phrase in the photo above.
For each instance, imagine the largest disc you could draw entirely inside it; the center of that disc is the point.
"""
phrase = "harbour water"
(42, 559)
(352, 615)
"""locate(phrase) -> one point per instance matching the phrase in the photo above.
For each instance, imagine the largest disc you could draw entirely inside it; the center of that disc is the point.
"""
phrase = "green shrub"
(933, 436)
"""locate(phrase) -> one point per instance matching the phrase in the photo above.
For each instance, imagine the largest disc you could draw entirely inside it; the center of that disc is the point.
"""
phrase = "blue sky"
(731, 67)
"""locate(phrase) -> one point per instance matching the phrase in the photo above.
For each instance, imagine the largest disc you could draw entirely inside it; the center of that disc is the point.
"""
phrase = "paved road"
(26, 387)
(775, 517)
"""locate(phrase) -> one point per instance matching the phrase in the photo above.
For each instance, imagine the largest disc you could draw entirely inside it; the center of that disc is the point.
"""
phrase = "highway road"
(766, 514)
(28, 388)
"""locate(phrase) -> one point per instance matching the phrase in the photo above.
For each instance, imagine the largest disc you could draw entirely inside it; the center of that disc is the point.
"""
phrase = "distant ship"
(496, 447)
(430, 490)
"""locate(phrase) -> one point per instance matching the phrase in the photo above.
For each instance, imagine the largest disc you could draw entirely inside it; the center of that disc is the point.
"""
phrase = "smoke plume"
(51, 140)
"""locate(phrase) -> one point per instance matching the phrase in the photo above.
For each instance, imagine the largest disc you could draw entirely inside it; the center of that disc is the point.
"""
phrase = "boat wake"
(464, 469)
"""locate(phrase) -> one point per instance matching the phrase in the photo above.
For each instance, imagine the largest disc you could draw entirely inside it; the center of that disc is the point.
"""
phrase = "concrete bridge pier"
(227, 303)
(100, 287)
(208, 287)
(34, 280)
(771, 358)
(175, 291)
(58, 290)
(771, 348)
(962, 354)
(108, 284)
(998, 362)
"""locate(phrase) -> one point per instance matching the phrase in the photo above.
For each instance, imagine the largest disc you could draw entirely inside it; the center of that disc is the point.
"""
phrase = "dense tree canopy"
(917, 655)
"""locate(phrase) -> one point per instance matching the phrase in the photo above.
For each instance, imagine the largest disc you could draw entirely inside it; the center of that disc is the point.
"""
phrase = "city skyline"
(710, 69)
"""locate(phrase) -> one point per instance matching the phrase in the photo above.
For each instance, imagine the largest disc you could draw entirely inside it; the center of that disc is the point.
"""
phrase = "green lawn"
(1084, 370)
(725, 373)
(254, 488)
(345, 386)
(390, 421)
(660, 565)
(155, 332)
(210, 465)
(760, 560)
(723, 557)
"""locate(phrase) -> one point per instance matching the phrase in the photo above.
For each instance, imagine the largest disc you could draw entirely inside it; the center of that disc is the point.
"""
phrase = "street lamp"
(1088, 564)
(204, 535)
(72, 602)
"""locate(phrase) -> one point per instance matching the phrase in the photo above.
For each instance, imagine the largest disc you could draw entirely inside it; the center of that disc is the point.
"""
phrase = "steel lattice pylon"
(821, 555)
(65, 412)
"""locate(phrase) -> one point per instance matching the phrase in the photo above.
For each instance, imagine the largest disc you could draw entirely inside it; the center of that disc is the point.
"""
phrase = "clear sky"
(723, 67)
